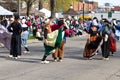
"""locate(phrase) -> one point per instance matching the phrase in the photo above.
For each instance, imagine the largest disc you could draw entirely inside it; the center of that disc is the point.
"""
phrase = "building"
(88, 5)
(116, 8)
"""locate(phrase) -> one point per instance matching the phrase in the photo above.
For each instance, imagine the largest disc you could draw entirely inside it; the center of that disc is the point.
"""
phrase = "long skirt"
(15, 45)
(92, 47)
(113, 47)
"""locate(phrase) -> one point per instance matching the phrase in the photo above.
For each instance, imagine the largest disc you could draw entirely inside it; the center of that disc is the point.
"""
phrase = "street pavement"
(73, 67)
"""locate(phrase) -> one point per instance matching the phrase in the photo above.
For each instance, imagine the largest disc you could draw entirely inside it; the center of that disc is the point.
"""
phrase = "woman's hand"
(46, 42)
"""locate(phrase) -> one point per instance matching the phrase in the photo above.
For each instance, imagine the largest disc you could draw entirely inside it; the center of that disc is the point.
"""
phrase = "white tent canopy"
(47, 12)
(4, 11)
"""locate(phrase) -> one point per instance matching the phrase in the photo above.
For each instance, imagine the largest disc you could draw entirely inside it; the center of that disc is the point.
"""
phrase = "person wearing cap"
(15, 28)
(93, 43)
(106, 40)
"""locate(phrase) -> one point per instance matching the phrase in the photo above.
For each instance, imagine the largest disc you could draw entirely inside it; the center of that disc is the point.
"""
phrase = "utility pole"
(78, 4)
(19, 7)
(40, 6)
(83, 11)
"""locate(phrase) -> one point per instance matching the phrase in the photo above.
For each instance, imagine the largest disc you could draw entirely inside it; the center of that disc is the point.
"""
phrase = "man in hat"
(59, 52)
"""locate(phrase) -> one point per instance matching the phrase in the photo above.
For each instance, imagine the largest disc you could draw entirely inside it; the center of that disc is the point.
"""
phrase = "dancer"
(106, 40)
(59, 52)
(53, 40)
(5, 37)
(93, 42)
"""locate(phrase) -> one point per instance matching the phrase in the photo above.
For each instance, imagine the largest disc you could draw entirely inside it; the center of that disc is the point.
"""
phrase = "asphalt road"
(73, 67)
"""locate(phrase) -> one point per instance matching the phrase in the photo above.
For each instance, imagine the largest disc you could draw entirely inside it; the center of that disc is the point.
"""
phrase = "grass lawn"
(31, 38)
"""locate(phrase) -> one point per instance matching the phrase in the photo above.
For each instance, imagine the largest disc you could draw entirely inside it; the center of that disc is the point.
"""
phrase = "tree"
(29, 4)
(52, 8)
(40, 6)
(63, 5)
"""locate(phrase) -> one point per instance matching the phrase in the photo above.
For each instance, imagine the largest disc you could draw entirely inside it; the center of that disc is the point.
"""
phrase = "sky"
(113, 2)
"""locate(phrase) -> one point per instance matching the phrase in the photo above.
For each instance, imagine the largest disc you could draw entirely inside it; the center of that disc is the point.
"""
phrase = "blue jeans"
(24, 42)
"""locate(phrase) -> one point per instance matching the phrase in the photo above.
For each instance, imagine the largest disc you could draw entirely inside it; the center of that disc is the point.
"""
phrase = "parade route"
(73, 67)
